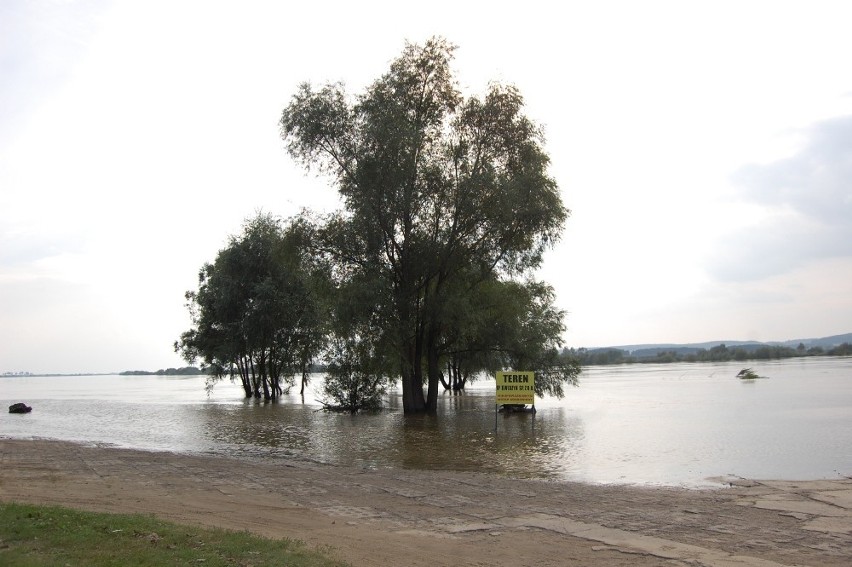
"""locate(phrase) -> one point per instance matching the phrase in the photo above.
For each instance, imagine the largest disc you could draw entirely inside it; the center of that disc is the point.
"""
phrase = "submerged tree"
(440, 192)
(255, 314)
(357, 376)
(508, 324)
(359, 367)
(351, 384)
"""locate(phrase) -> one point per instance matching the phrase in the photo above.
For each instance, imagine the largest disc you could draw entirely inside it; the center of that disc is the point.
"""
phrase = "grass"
(50, 535)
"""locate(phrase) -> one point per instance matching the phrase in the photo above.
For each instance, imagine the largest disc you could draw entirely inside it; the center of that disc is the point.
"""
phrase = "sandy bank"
(426, 518)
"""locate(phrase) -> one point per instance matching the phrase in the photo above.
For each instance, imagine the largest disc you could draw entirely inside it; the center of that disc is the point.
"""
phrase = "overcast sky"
(704, 148)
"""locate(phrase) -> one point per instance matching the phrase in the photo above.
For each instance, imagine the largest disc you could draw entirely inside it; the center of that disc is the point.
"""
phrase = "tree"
(359, 367)
(314, 274)
(507, 324)
(438, 190)
(844, 349)
(534, 341)
(255, 314)
(352, 384)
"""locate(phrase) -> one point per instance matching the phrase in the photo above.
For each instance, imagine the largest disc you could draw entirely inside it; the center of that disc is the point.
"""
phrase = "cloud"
(817, 181)
(23, 250)
(803, 207)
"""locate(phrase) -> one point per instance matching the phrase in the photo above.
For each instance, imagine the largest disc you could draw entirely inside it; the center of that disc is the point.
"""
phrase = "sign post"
(514, 388)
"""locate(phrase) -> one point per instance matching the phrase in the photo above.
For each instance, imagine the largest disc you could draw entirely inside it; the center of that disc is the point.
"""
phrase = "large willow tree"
(440, 191)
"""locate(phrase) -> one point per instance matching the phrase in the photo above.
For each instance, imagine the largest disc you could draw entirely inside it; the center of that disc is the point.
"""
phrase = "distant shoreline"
(40, 375)
(186, 371)
(605, 356)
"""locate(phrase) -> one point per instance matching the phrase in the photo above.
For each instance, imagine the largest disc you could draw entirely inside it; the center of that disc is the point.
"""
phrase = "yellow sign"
(515, 388)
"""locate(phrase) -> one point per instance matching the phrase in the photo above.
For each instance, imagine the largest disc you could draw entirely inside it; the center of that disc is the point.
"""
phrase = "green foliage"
(718, 353)
(354, 382)
(184, 371)
(748, 374)
(256, 314)
(525, 331)
(47, 535)
(594, 357)
(442, 193)
(553, 372)
(844, 349)
(358, 370)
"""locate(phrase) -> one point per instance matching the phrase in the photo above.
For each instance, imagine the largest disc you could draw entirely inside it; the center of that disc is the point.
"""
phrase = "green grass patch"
(50, 535)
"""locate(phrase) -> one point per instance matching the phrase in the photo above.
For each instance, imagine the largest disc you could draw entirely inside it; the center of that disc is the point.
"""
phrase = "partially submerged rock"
(20, 407)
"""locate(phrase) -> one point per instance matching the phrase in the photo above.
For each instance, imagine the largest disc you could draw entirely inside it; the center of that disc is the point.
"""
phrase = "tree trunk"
(444, 383)
(412, 383)
(244, 376)
(255, 378)
(433, 370)
(264, 380)
(410, 335)
(305, 366)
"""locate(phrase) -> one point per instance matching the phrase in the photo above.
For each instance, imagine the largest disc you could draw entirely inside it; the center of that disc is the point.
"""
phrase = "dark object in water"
(747, 374)
(20, 407)
(516, 408)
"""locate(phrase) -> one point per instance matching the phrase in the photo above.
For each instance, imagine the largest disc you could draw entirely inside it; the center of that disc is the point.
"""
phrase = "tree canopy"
(446, 198)
(256, 313)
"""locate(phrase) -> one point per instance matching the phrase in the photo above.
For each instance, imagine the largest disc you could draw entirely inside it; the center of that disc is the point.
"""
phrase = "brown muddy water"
(672, 424)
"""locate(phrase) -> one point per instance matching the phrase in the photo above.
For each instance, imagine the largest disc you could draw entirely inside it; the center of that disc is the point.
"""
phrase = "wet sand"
(428, 518)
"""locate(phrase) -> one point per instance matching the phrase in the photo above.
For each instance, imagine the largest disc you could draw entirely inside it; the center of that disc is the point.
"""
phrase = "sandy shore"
(427, 518)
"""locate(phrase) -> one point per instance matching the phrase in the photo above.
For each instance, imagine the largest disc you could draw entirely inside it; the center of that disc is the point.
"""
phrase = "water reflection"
(658, 424)
(460, 437)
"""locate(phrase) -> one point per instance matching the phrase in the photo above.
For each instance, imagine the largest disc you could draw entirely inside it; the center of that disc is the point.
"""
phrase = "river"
(681, 424)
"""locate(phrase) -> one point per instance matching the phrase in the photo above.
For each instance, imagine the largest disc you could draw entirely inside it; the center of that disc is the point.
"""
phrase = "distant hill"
(824, 342)
(646, 350)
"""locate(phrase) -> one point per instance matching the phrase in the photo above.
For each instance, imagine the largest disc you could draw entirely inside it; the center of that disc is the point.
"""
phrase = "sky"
(704, 149)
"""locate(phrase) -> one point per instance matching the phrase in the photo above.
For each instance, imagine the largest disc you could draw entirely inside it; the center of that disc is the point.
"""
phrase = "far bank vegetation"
(718, 353)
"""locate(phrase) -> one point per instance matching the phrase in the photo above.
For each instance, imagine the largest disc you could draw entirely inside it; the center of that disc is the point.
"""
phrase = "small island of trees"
(423, 278)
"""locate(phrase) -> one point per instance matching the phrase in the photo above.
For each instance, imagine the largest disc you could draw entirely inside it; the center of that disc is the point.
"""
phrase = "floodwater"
(660, 424)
